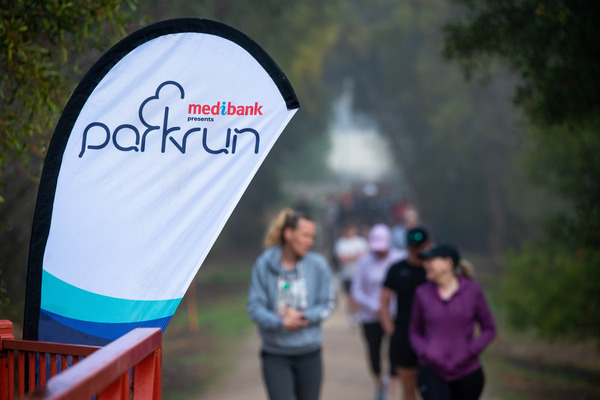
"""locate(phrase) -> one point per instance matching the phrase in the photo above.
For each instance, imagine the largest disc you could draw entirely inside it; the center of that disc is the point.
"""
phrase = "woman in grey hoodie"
(291, 292)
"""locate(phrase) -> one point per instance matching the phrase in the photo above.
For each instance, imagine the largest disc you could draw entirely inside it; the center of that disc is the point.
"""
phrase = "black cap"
(442, 250)
(416, 237)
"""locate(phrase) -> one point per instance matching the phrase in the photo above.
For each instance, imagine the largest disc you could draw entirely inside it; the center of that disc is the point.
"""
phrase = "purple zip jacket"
(442, 332)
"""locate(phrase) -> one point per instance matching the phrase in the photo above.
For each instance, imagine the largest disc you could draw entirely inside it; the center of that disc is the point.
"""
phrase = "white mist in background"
(358, 151)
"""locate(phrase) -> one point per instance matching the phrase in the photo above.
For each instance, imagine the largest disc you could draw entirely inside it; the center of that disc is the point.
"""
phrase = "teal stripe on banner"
(69, 301)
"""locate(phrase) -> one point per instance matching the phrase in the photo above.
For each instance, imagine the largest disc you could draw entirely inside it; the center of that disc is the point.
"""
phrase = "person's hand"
(388, 327)
(294, 319)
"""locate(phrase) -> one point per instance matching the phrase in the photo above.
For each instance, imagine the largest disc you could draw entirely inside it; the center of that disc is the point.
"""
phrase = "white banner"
(162, 149)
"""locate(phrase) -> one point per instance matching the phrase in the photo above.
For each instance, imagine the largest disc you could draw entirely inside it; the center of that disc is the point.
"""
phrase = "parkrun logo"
(127, 137)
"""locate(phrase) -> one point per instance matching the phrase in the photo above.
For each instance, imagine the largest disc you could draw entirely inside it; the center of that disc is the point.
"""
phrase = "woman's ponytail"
(465, 268)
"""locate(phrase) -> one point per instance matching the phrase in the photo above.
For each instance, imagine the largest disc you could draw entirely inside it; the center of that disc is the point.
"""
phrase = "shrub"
(554, 290)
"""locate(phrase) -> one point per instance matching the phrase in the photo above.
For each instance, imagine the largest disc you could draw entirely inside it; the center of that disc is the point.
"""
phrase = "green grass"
(198, 359)
(226, 319)
(225, 275)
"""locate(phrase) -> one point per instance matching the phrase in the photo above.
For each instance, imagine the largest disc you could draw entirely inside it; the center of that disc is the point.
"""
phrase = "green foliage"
(552, 45)
(564, 159)
(41, 43)
(554, 290)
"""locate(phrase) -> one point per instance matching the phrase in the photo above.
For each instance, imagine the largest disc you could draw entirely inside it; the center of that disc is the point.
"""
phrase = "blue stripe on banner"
(50, 330)
(56, 328)
(70, 302)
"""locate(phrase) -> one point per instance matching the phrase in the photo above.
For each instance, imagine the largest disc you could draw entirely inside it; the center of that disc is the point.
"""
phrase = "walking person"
(366, 291)
(348, 249)
(442, 329)
(408, 219)
(291, 293)
(401, 281)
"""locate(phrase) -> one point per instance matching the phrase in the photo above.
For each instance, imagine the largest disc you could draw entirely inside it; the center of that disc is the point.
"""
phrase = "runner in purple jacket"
(442, 329)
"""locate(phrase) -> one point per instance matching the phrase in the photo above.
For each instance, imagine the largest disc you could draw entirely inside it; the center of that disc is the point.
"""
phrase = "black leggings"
(292, 377)
(374, 334)
(434, 387)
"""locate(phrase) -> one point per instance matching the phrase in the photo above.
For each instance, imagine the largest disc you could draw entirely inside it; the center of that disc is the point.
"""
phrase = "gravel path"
(346, 374)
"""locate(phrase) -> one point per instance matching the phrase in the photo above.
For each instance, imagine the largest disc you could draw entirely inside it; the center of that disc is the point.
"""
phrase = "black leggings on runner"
(374, 334)
(434, 387)
(292, 377)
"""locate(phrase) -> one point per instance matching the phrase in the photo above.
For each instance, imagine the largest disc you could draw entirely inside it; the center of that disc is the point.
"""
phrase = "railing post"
(7, 378)
(147, 377)
(119, 390)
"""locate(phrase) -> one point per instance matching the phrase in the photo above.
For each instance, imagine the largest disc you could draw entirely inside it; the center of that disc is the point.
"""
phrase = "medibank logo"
(225, 108)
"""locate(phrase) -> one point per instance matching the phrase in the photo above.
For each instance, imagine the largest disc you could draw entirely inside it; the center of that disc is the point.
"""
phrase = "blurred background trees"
(501, 164)
(552, 46)
(454, 142)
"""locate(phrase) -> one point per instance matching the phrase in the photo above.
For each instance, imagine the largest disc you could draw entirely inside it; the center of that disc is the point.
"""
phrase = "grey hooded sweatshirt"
(262, 297)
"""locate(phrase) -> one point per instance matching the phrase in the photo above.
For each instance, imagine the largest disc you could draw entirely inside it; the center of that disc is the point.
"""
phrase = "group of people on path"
(422, 298)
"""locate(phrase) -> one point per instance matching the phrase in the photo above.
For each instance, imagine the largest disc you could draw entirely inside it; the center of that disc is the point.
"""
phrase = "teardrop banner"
(150, 156)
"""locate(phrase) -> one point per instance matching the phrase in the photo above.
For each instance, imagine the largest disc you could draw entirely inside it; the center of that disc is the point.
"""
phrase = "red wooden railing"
(26, 353)
(129, 367)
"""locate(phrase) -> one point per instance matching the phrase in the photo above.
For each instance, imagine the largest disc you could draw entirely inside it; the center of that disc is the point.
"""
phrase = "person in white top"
(347, 250)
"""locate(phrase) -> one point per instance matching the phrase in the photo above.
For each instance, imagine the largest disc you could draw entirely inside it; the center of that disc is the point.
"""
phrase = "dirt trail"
(346, 374)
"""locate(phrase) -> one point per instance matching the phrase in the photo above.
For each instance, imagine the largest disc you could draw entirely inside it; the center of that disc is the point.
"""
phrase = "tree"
(451, 140)
(553, 47)
(41, 47)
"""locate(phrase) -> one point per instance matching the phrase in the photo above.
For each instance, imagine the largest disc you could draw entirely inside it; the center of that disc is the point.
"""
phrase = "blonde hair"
(465, 268)
(287, 218)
